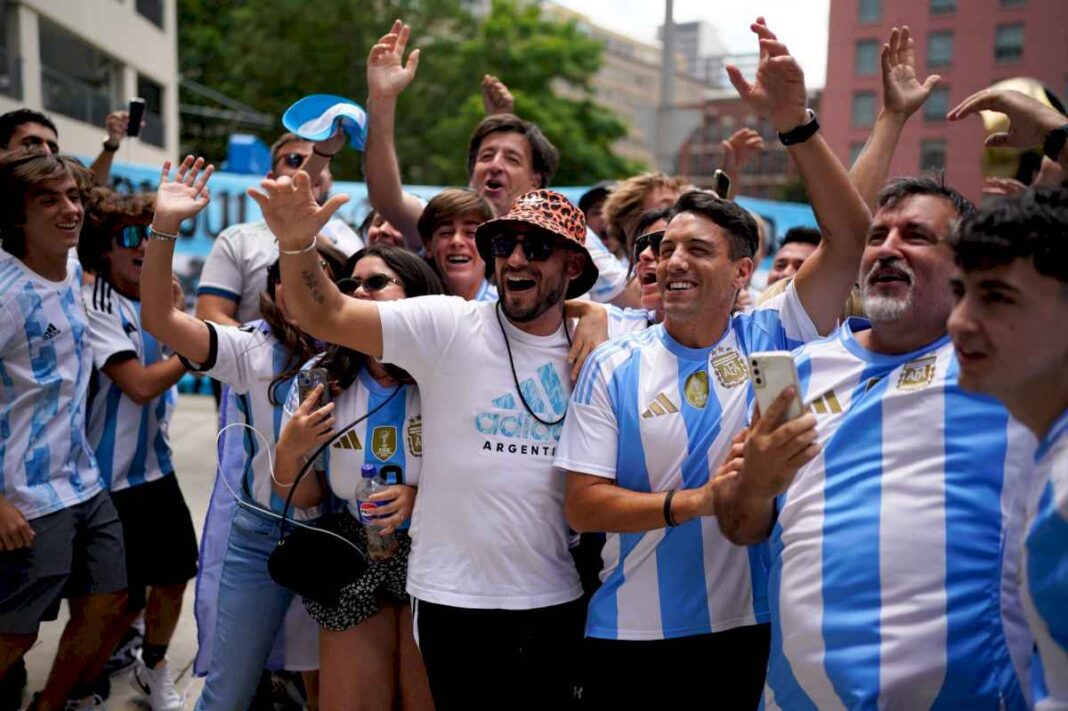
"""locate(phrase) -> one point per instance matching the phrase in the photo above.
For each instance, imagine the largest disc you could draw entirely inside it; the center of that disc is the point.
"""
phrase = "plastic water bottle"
(379, 547)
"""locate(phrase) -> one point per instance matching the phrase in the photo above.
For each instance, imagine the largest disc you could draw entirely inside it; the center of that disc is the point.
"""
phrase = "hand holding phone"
(771, 373)
(137, 113)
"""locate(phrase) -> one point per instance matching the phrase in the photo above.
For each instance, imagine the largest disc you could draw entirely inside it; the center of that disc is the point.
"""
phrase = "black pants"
(723, 671)
(500, 659)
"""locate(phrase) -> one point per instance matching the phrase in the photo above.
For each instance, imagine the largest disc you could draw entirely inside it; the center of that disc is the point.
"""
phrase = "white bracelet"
(294, 252)
(162, 236)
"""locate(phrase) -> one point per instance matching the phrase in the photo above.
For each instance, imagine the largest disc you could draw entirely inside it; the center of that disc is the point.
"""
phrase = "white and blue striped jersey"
(45, 367)
(655, 415)
(1046, 564)
(130, 440)
(391, 437)
(895, 554)
(623, 321)
(611, 274)
(246, 359)
(486, 291)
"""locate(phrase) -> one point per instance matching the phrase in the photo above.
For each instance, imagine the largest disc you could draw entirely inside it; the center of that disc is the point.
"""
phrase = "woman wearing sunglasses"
(240, 610)
(367, 650)
(129, 408)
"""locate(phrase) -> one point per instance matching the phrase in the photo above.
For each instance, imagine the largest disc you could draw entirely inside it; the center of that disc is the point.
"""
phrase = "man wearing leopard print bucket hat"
(498, 614)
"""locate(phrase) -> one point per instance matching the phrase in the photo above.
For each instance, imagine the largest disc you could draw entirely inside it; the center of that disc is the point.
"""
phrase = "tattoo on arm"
(312, 280)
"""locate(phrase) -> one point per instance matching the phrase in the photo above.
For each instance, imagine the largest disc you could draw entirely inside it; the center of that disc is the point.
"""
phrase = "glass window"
(77, 79)
(937, 105)
(939, 49)
(943, 7)
(152, 93)
(863, 109)
(151, 10)
(870, 11)
(867, 58)
(933, 154)
(1008, 43)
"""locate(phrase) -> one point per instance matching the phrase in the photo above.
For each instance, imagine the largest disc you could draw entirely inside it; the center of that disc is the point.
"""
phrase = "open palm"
(290, 209)
(185, 196)
(387, 75)
(903, 92)
(778, 93)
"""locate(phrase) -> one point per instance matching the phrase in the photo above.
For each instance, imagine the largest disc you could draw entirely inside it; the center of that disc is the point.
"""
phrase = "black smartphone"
(721, 184)
(307, 380)
(137, 114)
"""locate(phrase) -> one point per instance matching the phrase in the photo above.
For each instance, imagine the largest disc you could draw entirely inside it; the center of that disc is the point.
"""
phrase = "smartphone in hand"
(771, 373)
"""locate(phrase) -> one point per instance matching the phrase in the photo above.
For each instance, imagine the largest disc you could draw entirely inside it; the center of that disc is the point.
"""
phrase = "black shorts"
(161, 543)
(725, 669)
(76, 552)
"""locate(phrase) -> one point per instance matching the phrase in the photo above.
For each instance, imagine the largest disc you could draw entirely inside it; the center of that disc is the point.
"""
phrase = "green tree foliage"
(267, 55)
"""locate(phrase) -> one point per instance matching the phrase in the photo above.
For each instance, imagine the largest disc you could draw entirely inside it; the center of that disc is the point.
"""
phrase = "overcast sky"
(802, 24)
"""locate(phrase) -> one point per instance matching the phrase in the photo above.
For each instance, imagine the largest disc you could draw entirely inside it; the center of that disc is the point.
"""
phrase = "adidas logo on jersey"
(50, 333)
(513, 428)
(128, 328)
(661, 405)
(348, 441)
(826, 403)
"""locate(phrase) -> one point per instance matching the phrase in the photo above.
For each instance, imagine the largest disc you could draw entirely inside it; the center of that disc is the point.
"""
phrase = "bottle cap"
(367, 471)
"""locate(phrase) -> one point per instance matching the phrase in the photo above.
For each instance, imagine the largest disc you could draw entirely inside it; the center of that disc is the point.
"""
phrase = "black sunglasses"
(292, 160)
(131, 236)
(537, 246)
(649, 240)
(373, 283)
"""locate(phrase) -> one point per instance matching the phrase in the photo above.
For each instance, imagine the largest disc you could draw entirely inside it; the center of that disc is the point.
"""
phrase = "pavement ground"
(192, 431)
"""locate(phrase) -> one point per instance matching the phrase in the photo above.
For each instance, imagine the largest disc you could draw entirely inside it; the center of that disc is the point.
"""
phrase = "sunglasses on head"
(649, 240)
(292, 160)
(373, 283)
(131, 236)
(537, 246)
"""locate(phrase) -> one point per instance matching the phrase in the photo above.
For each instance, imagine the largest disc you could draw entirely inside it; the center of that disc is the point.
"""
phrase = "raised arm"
(1030, 122)
(387, 77)
(295, 218)
(176, 201)
(116, 125)
(779, 94)
(903, 93)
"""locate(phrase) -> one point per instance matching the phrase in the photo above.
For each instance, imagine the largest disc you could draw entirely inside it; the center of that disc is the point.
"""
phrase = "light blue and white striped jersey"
(245, 359)
(392, 436)
(895, 555)
(655, 415)
(45, 367)
(1045, 582)
(486, 292)
(611, 274)
(130, 440)
(624, 321)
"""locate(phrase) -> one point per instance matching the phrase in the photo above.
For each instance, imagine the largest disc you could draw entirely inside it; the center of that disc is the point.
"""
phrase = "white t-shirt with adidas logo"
(488, 530)
(45, 364)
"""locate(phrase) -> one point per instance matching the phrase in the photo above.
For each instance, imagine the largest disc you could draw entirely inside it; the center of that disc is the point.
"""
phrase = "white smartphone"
(771, 373)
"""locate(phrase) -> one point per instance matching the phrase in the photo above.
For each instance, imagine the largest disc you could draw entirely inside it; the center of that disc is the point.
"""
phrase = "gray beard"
(882, 309)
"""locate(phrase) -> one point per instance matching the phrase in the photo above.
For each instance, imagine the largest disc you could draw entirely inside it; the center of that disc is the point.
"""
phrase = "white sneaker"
(158, 686)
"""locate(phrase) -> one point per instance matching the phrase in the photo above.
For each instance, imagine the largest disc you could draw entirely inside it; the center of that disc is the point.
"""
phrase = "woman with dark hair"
(367, 652)
(240, 610)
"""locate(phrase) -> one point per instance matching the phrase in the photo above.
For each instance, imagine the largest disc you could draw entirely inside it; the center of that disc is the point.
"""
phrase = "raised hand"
(779, 91)
(387, 74)
(290, 209)
(902, 91)
(183, 197)
(1002, 186)
(743, 145)
(1029, 120)
(496, 97)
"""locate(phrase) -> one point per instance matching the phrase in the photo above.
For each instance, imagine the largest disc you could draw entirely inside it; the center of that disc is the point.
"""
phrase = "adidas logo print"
(662, 405)
(50, 333)
(349, 441)
(826, 403)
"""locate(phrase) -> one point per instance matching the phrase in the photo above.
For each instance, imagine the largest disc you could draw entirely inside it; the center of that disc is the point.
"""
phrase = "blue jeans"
(251, 608)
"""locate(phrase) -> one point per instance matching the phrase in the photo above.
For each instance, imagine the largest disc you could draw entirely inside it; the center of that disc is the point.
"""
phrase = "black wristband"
(668, 518)
(801, 133)
(316, 151)
(110, 148)
(1055, 141)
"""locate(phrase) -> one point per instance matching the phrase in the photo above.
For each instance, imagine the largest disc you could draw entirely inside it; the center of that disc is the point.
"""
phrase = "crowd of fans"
(585, 508)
